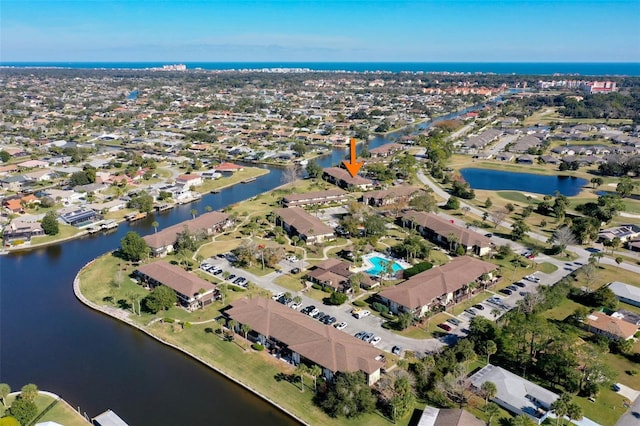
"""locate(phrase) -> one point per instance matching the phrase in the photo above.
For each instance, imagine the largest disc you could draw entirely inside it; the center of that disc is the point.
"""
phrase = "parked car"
(454, 321)
(376, 340)
(231, 277)
(479, 307)
(308, 309)
(362, 313)
(360, 334)
(217, 272)
(506, 291)
(520, 284)
(295, 271)
(313, 312)
(396, 350)
(341, 325)
(238, 280)
(444, 326)
(532, 278)
(330, 320)
(319, 315)
(296, 306)
(368, 337)
(471, 311)
(277, 296)
(512, 287)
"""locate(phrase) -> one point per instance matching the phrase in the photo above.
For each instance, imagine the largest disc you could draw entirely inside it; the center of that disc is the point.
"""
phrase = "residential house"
(481, 140)
(193, 292)
(626, 293)
(335, 195)
(14, 183)
(549, 159)
(40, 175)
(21, 230)
(342, 178)
(526, 143)
(505, 156)
(515, 394)
(437, 287)
(445, 233)
(610, 326)
(33, 164)
(228, 168)
(524, 159)
(397, 195)
(63, 196)
(386, 150)
(293, 335)
(161, 242)
(15, 205)
(79, 216)
(432, 416)
(189, 181)
(335, 273)
(623, 232)
(298, 222)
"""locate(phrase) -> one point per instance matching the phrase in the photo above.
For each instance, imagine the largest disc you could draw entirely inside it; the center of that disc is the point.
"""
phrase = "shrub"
(359, 303)
(380, 307)
(337, 298)
(258, 347)
(316, 286)
(388, 315)
(416, 269)
(168, 320)
(186, 325)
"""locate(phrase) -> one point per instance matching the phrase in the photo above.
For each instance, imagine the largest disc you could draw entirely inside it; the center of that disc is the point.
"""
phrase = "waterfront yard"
(228, 180)
(52, 410)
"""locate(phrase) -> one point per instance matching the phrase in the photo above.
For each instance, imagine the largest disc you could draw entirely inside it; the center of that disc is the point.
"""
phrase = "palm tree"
(489, 390)
(315, 371)
(245, 329)
(491, 348)
(233, 324)
(574, 411)
(302, 369)
(492, 410)
(221, 322)
(560, 406)
(155, 225)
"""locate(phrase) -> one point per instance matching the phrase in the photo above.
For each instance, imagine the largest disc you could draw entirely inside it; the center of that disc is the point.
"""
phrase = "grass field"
(51, 410)
(65, 231)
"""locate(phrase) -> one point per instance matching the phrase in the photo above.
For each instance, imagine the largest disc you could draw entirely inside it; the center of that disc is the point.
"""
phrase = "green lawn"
(546, 267)
(290, 282)
(606, 410)
(237, 177)
(55, 411)
(66, 231)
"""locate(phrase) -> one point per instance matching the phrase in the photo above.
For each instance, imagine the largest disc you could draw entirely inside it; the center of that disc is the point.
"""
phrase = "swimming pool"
(379, 265)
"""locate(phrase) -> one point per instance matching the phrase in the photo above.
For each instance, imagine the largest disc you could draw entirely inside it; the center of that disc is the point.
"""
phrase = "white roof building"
(626, 293)
(516, 394)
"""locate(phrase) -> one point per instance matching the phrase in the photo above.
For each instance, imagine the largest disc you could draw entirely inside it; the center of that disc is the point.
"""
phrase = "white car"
(376, 340)
(292, 259)
(277, 296)
(296, 306)
(532, 278)
(363, 313)
(340, 325)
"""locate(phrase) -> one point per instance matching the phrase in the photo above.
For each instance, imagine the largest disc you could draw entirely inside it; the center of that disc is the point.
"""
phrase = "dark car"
(512, 287)
(454, 321)
(360, 334)
(217, 272)
(330, 320)
(520, 284)
(396, 350)
(308, 309)
(295, 271)
(479, 307)
(231, 277)
(444, 326)
(319, 315)
(506, 291)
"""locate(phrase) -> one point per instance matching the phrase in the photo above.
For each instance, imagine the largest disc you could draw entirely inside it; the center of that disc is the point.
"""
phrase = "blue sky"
(324, 30)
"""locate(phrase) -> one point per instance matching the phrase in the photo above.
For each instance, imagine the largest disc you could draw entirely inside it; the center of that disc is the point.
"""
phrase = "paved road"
(632, 416)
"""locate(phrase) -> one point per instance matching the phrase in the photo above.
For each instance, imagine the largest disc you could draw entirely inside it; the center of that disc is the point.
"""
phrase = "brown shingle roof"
(169, 235)
(611, 325)
(423, 288)
(303, 222)
(176, 278)
(444, 228)
(324, 345)
(343, 175)
(318, 195)
(396, 191)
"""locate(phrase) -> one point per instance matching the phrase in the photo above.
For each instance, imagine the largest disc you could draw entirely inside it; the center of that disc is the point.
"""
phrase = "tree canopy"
(133, 247)
(161, 298)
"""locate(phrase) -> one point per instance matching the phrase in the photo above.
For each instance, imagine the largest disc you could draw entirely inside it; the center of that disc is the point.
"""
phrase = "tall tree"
(50, 224)
(29, 392)
(491, 409)
(161, 298)
(133, 247)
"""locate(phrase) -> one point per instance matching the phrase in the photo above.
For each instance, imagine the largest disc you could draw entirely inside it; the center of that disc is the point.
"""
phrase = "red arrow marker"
(352, 165)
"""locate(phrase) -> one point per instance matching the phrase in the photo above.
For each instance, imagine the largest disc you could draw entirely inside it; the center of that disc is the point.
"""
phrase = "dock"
(109, 224)
(135, 216)
(164, 207)
(251, 179)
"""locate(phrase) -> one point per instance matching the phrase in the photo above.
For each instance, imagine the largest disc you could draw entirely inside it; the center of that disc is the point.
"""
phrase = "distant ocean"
(521, 68)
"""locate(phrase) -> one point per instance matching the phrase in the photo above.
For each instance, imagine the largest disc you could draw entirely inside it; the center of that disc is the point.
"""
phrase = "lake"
(498, 180)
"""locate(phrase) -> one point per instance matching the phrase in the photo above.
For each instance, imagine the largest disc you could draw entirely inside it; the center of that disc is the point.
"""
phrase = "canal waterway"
(95, 362)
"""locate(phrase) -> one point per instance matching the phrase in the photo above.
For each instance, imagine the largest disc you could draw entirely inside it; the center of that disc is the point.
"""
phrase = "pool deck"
(367, 264)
